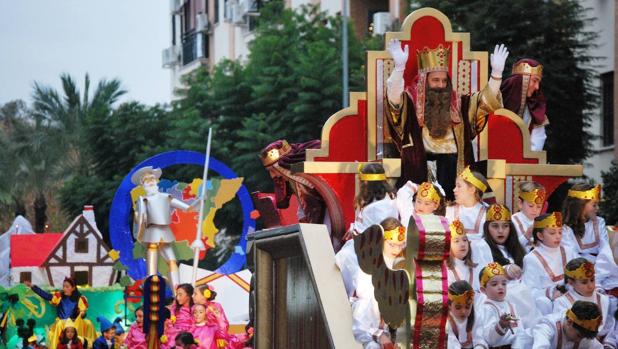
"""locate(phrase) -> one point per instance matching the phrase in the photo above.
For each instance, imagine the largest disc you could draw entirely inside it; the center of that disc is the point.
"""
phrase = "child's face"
(460, 311)
(530, 210)
(496, 288)
(139, 317)
(460, 247)
(551, 237)
(67, 288)
(571, 333)
(109, 334)
(182, 297)
(69, 332)
(463, 191)
(584, 287)
(393, 249)
(499, 231)
(590, 208)
(199, 314)
(424, 206)
(198, 297)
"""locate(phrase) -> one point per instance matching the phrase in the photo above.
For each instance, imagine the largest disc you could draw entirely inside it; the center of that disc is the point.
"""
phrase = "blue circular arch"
(119, 216)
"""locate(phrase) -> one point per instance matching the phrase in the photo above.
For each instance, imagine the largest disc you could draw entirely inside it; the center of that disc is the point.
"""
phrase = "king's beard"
(438, 111)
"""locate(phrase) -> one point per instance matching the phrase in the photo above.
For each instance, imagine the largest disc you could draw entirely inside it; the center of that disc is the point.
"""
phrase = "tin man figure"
(152, 221)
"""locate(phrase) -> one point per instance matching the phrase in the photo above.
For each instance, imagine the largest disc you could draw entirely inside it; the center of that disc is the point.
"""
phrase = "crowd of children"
(196, 321)
(524, 280)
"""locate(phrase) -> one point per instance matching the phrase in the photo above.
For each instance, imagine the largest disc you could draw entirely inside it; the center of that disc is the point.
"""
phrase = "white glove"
(498, 59)
(400, 56)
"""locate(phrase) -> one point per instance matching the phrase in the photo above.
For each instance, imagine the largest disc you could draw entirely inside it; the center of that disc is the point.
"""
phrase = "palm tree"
(67, 115)
(48, 147)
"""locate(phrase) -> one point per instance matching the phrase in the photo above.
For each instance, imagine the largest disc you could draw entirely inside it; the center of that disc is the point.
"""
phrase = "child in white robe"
(544, 266)
(500, 245)
(413, 200)
(465, 331)
(580, 276)
(501, 320)
(460, 266)
(575, 328)
(531, 199)
(367, 325)
(469, 207)
(584, 231)
(374, 203)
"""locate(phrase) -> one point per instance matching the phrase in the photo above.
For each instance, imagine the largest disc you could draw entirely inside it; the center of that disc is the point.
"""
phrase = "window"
(607, 111)
(25, 276)
(81, 245)
(216, 11)
(81, 277)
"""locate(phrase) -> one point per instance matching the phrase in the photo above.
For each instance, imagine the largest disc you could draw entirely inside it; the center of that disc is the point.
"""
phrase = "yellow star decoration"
(114, 255)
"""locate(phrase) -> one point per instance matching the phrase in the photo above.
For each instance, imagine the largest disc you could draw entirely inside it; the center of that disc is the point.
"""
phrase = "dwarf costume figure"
(522, 95)
(430, 122)
(152, 221)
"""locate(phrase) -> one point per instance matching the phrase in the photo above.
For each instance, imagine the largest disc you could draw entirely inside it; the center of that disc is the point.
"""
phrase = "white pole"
(198, 244)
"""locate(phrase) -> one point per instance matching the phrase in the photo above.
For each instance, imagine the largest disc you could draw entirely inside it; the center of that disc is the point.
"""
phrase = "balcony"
(194, 46)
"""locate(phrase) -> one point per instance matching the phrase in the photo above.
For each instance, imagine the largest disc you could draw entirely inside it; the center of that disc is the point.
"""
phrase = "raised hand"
(400, 56)
(498, 59)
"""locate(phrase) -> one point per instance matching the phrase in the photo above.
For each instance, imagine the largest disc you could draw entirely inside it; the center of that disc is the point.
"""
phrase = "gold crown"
(490, 271)
(526, 69)
(469, 177)
(457, 228)
(554, 220)
(537, 196)
(590, 325)
(590, 194)
(274, 154)
(396, 235)
(427, 191)
(433, 59)
(496, 212)
(465, 298)
(370, 177)
(583, 272)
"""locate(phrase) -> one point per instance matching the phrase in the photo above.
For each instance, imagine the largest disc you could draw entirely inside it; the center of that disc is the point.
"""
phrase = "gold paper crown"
(433, 59)
(396, 235)
(469, 177)
(526, 69)
(590, 325)
(427, 191)
(554, 220)
(465, 298)
(370, 177)
(537, 196)
(590, 194)
(457, 228)
(490, 271)
(274, 154)
(583, 272)
(496, 212)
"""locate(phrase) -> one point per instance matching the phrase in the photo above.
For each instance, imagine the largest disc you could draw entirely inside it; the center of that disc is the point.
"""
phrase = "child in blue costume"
(106, 341)
(70, 304)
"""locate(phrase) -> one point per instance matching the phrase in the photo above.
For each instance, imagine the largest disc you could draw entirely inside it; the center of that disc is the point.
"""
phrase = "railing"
(194, 46)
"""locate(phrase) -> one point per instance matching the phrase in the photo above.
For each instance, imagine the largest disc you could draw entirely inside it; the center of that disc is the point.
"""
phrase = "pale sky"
(40, 39)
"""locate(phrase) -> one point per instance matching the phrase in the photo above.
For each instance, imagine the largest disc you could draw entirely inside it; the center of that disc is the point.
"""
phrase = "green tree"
(115, 143)
(66, 112)
(554, 33)
(609, 204)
